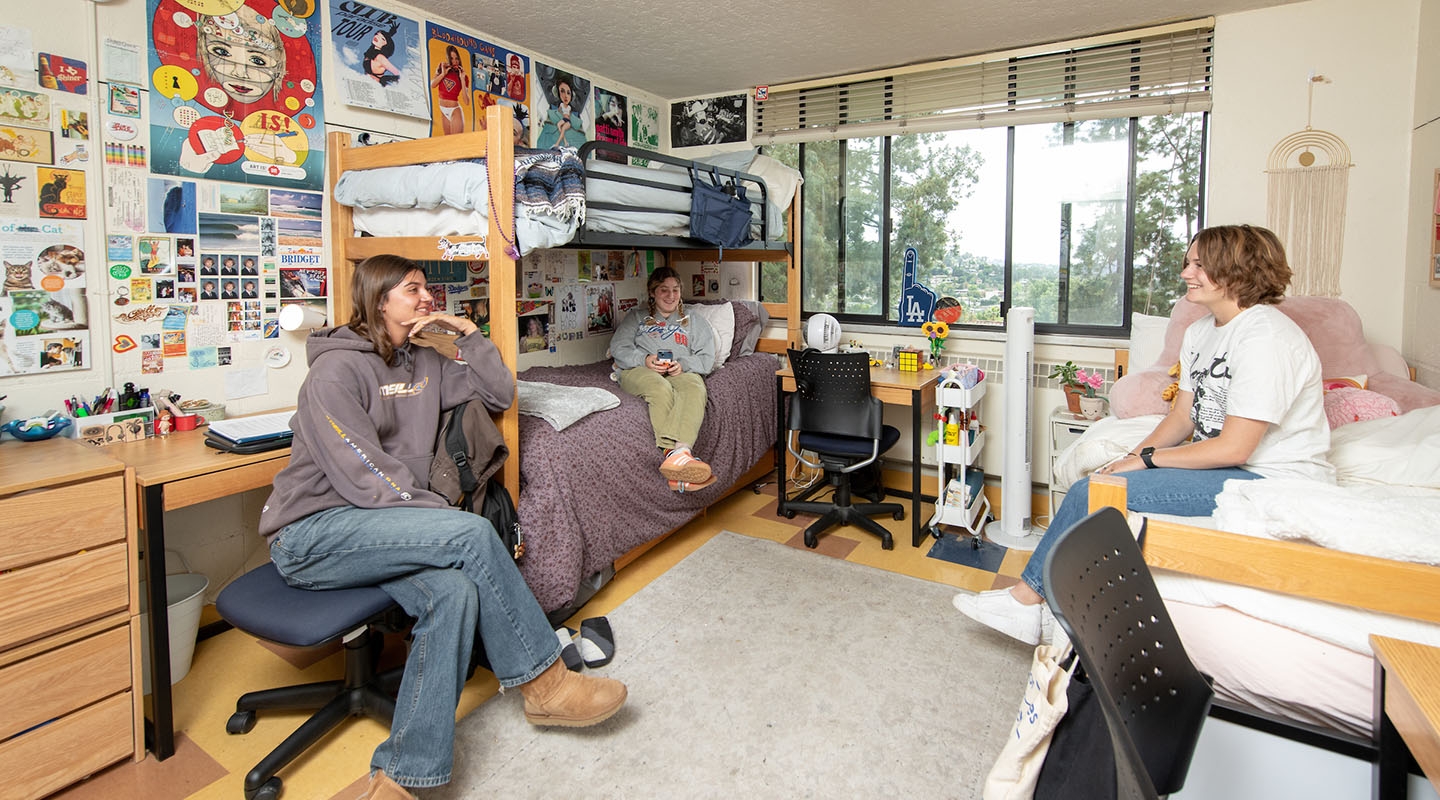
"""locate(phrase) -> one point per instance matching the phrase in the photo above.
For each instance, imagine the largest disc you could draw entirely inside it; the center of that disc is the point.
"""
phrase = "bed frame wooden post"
(504, 322)
(792, 282)
(342, 227)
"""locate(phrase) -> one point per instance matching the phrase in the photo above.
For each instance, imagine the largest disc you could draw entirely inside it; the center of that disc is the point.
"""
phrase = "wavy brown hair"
(374, 278)
(658, 277)
(1246, 261)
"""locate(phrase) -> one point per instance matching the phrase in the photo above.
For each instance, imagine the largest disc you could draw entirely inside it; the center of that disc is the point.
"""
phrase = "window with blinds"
(1153, 71)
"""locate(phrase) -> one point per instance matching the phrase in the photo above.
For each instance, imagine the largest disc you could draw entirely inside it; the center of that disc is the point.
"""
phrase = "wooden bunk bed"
(1298, 570)
(496, 147)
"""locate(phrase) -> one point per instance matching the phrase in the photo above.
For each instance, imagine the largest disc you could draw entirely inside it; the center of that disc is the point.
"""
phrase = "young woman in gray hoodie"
(353, 509)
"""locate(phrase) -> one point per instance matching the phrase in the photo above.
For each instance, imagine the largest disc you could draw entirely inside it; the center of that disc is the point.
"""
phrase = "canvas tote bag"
(1017, 768)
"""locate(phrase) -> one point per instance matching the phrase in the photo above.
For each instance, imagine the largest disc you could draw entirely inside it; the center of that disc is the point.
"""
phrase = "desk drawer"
(50, 597)
(56, 755)
(53, 523)
(62, 680)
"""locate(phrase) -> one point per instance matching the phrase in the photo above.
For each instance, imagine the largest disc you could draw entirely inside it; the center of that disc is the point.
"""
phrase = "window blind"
(1134, 73)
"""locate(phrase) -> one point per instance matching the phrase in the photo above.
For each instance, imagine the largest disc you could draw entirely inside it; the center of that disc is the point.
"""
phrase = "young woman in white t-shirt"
(1250, 406)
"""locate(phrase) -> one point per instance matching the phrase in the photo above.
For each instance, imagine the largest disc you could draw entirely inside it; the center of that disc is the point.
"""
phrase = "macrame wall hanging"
(1308, 179)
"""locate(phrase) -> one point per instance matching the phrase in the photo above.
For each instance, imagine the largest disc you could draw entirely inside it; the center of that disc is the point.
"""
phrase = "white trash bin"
(185, 596)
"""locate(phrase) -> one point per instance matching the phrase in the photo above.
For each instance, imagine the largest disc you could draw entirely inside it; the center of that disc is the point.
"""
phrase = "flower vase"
(1072, 398)
(1092, 407)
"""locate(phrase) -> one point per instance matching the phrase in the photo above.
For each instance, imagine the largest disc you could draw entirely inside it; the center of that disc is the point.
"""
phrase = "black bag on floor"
(1081, 758)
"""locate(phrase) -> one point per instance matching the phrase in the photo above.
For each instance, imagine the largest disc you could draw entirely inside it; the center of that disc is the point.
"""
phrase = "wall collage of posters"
(212, 152)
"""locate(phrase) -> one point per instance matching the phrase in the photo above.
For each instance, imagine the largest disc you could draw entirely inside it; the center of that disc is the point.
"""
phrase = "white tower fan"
(1013, 529)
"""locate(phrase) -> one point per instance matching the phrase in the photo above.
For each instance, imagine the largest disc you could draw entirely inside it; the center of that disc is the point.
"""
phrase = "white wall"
(1263, 60)
(1421, 341)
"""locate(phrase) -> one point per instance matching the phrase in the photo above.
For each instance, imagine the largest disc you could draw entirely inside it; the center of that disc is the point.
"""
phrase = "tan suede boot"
(383, 788)
(561, 697)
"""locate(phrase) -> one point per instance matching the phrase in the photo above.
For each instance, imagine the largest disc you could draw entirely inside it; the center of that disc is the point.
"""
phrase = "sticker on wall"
(60, 72)
(277, 357)
(124, 100)
(124, 344)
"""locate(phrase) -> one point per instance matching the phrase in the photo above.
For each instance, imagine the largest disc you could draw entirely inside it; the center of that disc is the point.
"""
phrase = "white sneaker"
(1000, 610)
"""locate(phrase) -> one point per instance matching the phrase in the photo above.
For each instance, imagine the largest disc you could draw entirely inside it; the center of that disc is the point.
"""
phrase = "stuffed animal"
(1169, 392)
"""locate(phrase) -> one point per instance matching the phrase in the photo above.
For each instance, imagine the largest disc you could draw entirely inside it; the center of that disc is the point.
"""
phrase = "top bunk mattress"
(557, 195)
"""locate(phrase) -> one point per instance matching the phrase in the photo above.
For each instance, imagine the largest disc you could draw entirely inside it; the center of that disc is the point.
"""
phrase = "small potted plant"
(1068, 374)
(1092, 406)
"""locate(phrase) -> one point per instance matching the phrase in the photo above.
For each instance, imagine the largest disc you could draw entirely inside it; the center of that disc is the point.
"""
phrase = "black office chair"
(833, 414)
(1153, 697)
(262, 604)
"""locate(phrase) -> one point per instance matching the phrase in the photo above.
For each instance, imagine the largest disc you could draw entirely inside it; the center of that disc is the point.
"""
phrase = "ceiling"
(685, 48)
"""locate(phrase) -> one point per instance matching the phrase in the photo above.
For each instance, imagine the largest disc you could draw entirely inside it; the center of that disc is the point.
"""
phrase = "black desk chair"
(262, 604)
(833, 414)
(1153, 698)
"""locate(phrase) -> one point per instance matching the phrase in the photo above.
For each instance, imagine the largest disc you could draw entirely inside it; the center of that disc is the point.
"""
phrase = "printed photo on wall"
(235, 93)
(599, 307)
(379, 58)
(171, 205)
(24, 144)
(17, 190)
(26, 109)
(611, 112)
(535, 332)
(62, 193)
(711, 120)
(561, 108)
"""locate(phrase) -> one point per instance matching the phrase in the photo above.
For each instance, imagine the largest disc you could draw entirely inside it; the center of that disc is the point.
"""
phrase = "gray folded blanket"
(562, 406)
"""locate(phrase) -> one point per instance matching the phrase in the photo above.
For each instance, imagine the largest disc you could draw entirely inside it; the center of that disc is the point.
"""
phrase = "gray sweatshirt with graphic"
(365, 431)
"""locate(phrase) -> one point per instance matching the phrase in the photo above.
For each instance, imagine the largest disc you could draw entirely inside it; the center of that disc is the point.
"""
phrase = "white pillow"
(1147, 340)
(722, 321)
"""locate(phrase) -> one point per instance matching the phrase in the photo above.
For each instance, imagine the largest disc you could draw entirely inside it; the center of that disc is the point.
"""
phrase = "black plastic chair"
(833, 415)
(262, 604)
(1154, 699)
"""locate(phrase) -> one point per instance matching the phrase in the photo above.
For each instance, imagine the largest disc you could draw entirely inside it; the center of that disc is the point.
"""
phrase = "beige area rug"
(758, 670)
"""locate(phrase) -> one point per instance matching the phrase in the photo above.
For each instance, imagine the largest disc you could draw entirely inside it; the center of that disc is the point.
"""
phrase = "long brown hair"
(658, 277)
(1247, 261)
(374, 278)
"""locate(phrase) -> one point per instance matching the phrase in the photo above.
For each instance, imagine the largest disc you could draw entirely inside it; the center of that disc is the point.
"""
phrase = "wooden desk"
(893, 387)
(174, 472)
(1407, 713)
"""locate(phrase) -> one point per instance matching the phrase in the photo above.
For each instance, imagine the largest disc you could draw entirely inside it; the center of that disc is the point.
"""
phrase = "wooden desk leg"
(163, 745)
(1387, 775)
(915, 466)
(780, 489)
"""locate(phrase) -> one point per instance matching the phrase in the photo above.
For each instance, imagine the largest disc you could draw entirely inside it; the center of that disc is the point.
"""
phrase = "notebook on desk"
(249, 430)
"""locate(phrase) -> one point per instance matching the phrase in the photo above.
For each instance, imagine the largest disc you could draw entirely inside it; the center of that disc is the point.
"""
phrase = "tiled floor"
(209, 763)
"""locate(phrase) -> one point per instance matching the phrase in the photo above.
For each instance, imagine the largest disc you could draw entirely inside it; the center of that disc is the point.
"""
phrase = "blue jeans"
(448, 569)
(1182, 492)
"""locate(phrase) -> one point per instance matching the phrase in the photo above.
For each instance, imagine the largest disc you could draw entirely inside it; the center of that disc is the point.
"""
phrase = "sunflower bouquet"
(935, 331)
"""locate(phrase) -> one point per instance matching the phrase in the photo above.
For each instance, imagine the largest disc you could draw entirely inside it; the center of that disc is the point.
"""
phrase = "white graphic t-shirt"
(1260, 366)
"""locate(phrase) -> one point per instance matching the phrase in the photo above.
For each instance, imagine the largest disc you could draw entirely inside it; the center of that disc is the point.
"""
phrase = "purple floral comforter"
(593, 492)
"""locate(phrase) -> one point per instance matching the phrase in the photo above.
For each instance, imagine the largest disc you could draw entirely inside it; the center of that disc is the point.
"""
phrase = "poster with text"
(234, 92)
(379, 59)
(44, 320)
(468, 75)
(611, 111)
(644, 130)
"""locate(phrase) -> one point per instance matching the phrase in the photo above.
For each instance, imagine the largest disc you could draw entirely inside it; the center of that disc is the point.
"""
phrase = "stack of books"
(250, 434)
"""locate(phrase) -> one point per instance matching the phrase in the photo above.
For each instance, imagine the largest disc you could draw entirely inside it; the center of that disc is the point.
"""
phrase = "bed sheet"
(593, 492)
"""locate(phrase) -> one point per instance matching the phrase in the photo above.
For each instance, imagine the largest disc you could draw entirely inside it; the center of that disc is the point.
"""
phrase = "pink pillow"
(1347, 404)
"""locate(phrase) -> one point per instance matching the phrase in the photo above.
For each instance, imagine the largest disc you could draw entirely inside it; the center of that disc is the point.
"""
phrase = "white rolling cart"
(961, 500)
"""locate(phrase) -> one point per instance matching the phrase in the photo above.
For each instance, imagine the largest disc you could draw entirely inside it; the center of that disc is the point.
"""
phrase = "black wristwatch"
(1146, 453)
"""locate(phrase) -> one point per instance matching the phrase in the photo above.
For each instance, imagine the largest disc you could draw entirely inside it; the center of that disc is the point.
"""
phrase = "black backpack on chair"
(469, 441)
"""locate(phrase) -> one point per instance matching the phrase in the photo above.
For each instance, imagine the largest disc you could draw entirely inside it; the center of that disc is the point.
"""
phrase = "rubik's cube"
(909, 360)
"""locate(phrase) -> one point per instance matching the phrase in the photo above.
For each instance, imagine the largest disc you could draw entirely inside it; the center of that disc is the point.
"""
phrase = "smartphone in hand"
(664, 357)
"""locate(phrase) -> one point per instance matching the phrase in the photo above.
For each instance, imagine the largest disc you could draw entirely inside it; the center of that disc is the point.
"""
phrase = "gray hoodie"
(691, 341)
(365, 431)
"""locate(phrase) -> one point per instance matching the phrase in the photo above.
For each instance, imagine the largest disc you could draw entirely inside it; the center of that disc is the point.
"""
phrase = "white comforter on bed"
(1386, 504)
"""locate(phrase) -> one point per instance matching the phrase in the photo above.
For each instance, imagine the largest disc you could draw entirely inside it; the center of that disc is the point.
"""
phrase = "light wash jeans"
(677, 403)
(1182, 492)
(448, 569)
